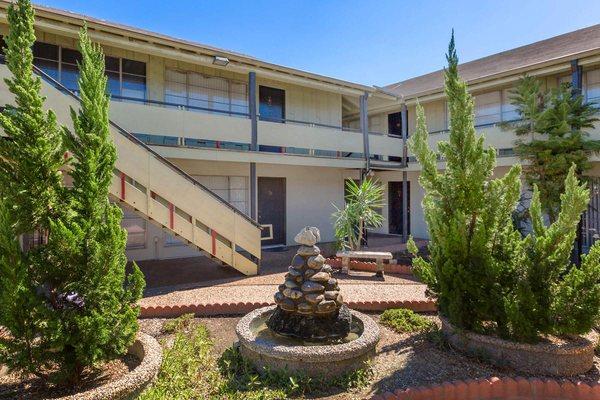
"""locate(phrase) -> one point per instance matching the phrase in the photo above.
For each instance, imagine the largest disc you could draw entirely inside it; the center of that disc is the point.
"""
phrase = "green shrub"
(180, 323)
(487, 278)
(403, 320)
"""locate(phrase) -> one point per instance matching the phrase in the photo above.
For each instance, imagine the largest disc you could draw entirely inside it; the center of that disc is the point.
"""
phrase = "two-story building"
(229, 144)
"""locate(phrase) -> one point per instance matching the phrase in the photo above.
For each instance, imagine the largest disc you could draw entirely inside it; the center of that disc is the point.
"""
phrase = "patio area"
(201, 286)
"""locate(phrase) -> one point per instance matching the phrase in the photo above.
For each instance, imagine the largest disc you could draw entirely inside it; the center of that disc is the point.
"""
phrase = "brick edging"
(367, 266)
(245, 307)
(498, 389)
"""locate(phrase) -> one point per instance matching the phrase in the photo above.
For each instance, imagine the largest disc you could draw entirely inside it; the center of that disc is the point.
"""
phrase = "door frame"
(284, 222)
(390, 209)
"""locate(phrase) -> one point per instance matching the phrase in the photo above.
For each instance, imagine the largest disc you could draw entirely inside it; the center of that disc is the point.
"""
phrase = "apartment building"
(226, 154)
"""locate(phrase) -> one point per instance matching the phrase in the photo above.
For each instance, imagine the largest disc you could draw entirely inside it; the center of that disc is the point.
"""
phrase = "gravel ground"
(403, 360)
(13, 386)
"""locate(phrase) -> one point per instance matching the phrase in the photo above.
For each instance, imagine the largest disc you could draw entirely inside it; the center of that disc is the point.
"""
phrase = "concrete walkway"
(200, 286)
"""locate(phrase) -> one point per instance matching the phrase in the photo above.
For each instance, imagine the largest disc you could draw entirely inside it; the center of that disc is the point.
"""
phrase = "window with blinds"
(136, 229)
(232, 189)
(488, 108)
(592, 85)
(205, 92)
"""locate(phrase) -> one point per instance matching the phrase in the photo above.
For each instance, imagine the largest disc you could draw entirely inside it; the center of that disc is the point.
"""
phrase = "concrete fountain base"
(324, 361)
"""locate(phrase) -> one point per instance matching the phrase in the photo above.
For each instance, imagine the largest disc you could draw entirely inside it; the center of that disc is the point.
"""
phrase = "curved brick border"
(498, 389)
(370, 266)
(245, 307)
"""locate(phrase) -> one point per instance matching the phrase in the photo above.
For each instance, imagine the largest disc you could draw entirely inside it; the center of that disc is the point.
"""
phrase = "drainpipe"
(405, 227)
(364, 128)
(253, 142)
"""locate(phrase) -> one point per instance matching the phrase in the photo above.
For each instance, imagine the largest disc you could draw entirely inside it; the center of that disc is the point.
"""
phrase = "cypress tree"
(102, 320)
(67, 304)
(552, 131)
(31, 192)
(486, 277)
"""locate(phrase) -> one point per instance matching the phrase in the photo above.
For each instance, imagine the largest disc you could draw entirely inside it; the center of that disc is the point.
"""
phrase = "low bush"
(403, 320)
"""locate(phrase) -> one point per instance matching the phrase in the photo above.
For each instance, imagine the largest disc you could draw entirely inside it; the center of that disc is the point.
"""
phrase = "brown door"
(271, 209)
(395, 207)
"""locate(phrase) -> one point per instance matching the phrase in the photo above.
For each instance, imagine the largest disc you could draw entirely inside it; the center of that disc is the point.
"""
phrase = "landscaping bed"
(403, 360)
(118, 379)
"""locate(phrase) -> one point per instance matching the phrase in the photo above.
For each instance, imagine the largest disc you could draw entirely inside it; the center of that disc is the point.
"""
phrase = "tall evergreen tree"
(31, 193)
(69, 303)
(31, 158)
(552, 130)
(486, 277)
(102, 322)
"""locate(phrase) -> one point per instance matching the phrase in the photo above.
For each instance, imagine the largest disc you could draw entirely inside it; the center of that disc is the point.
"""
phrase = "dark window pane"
(45, 50)
(134, 67)
(69, 76)
(70, 56)
(113, 84)
(2, 45)
(134, 86)
(49, 67)
(112, 64)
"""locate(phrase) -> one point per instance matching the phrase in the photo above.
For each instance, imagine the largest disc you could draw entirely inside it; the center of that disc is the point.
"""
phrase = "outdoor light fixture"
(222, 61)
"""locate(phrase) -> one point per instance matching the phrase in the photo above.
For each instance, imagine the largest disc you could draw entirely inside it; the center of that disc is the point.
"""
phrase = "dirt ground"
(402, 360)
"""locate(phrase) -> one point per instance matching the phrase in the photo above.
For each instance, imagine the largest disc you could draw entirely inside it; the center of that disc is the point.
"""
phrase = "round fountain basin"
(316, 359)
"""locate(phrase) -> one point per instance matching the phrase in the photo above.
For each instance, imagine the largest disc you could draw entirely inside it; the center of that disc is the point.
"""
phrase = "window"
(205, 92)
(509, 111)
(592, 85)
(126, 78)
(232, 189)
(69, 72)
(133, 79)
(487, 108)
(45, 57)
(136, 230)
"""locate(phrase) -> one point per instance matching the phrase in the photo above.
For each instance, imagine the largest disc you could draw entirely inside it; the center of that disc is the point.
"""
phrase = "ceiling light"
(222, 61)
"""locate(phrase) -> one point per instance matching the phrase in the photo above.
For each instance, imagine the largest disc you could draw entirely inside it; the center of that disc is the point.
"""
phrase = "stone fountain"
(310, 330)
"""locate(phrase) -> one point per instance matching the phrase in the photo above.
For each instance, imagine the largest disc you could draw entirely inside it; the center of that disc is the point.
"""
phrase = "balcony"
(200, 133)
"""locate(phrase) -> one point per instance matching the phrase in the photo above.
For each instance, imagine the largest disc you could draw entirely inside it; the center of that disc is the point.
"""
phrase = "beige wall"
(310, 193)
(302, 103)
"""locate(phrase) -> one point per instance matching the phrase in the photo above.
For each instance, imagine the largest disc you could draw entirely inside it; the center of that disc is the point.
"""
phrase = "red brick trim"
(371, 266)
(498, 389)
(243, 308)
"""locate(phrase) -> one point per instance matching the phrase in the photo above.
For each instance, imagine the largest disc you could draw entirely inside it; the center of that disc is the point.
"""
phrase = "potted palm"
(361, 211)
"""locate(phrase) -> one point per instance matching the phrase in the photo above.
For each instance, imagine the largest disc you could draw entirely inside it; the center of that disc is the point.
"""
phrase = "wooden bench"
(378, 256)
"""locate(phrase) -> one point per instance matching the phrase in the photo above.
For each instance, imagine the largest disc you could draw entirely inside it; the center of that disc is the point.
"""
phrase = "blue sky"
(370, 42)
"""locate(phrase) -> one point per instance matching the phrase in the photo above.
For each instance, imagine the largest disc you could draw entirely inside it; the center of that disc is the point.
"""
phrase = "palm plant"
(363, 202)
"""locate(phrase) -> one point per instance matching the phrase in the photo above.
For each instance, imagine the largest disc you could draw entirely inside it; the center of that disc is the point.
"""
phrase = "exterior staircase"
(162, 193)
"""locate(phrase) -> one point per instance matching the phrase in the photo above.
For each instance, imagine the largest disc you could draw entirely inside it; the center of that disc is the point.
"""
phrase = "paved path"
(360, 290)
(200, 286)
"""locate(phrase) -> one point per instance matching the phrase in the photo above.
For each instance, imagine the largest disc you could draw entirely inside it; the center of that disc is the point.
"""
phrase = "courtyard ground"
(204, 287)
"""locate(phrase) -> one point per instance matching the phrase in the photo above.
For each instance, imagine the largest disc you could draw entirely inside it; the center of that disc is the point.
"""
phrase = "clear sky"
(370, 42)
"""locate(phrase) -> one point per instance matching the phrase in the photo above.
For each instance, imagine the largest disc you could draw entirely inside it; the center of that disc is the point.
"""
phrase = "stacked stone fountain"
(309, 303)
